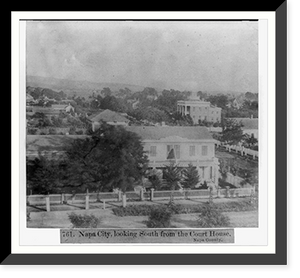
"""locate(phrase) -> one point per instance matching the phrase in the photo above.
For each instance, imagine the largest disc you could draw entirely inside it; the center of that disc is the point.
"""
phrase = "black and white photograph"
(148, 126)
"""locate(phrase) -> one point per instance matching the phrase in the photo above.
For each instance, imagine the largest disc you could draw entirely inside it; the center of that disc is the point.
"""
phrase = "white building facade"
(199, 110)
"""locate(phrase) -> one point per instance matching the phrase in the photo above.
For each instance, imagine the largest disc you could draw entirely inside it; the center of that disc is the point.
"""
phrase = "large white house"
(182, 145)
(199, 110)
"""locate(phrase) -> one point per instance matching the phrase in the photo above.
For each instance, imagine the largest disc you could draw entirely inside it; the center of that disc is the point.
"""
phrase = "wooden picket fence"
(152, 195)
(238, 149)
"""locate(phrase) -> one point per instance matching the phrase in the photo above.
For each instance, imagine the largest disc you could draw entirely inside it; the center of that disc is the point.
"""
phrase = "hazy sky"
(183, 55)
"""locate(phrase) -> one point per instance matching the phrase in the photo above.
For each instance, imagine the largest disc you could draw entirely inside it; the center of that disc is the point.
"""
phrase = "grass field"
(239, 211)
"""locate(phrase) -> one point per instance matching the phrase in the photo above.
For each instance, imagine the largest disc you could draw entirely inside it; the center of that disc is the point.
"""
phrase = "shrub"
(155, 181)
(211, 217)
(159, 217)
(79, 132)
(83, 221)
(72, 130)
(32, 131)
(132, 210)
(52, 131)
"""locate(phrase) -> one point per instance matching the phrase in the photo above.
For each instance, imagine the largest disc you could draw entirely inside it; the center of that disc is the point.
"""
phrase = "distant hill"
(230, 93)
(82, 88)
(86, 88)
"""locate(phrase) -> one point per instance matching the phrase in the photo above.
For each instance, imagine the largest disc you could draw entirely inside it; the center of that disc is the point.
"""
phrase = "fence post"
(142, 194)
(73, 199)
(27, 201)
(227, 191)
(124, 200)
(87, 205)
(62, 198)
(218, 193)
(104, 204)
(119, 196)
(47, 203)
(151, 194)
(210, 195)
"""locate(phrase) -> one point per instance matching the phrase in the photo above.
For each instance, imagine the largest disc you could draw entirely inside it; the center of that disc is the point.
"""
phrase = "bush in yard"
(132, 210)
(83, 221)
(159, 217)
(211, 217)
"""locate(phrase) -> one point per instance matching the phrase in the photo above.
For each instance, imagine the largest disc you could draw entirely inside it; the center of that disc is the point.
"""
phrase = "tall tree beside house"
(172, 176)
(111, 158)
(190, 177)
(232, 131)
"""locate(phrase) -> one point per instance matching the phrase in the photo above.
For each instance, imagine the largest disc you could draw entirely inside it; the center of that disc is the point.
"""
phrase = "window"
(177, 151)
(204, 150)
(192, 151)
(173, 151)
(152, 150)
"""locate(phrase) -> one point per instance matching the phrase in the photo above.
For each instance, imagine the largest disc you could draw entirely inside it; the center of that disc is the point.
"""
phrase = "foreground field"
(238, 211)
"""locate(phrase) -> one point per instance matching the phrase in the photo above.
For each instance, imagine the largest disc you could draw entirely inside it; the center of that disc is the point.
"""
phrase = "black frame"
(279, 258)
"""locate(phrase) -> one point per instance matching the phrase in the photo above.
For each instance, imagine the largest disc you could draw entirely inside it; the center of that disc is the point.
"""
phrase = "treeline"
(150, 105)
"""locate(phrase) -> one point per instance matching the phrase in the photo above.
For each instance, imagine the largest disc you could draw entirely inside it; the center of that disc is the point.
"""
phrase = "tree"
(182, 120)
(44, 176)
(151, 114)
(232, 131)
(172, 175)
(218, 100)
(112, 103)
(155, 182)
(111, 158)
(106, 92)
(250, 141)
(190, 176)
(167, 101)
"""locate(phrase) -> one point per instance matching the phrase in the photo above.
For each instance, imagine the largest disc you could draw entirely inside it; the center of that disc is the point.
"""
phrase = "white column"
(151, 194)
(124, 200)
(47, 203)
(87, 205)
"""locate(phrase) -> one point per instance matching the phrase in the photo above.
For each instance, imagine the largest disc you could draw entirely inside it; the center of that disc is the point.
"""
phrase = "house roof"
(248, 123)
(40, 143)
(57, 143)
(159, 132)
(108, 116)
(29, 97)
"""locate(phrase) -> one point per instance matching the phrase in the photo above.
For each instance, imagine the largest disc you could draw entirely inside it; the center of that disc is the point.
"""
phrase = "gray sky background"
(183, 55)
